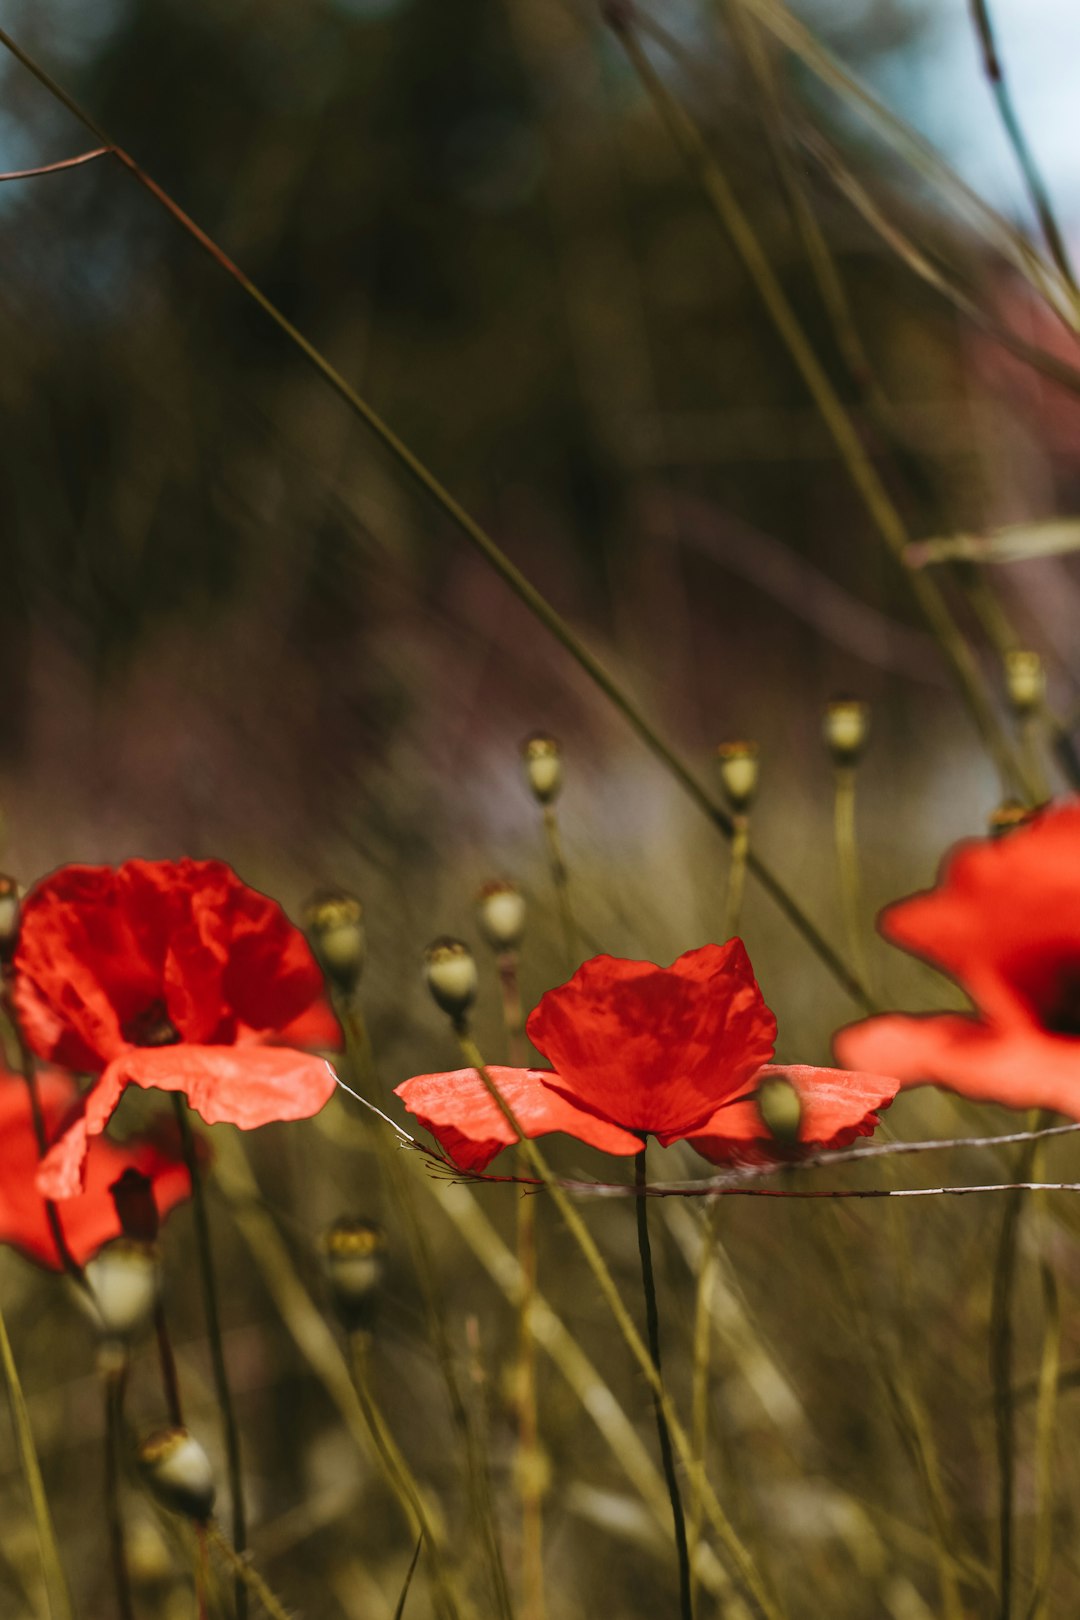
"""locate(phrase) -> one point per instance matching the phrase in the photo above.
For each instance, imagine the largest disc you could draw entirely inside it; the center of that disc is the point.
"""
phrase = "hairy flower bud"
(450, 971)
(845, 727)
(780, 1108)
(1025, 681)
(738, 763)
(9, 914)
(125, 1281)
(354, 1257)
(500, 915)
(543, 766)
(334, 924)
(178, 1472)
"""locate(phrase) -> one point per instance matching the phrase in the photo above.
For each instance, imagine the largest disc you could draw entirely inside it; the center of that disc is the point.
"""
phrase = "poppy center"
(151, 1027)
(1057, 1003)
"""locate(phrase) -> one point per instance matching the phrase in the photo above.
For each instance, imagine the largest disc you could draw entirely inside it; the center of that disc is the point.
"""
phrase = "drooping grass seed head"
(500, 915)
(354, 1257)
(1025, 681)
(450, 971)
(334, 925)
(543, 766)
(738, 762)
(125, 1284)
(178, 1472)
(780, 1109)
(845, 728)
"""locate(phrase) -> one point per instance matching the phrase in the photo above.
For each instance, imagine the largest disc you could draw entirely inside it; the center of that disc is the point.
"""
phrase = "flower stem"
(229, 1428)
(652, 1327)
(397, 1473)
(114, 1380)
(847, 864)
(561, 879)
(58, 1597)
(736, 886)
(170, 1382)
(1046, 1410)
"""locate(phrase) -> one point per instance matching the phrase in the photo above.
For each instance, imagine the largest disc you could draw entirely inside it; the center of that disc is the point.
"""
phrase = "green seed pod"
(543, 766)
(738, 763)
(354, 1257)
(450, 971)
(845, 727)
(9, 914)
(125, 1283)
(178, 1473)
(780, 1108)
(500, 915)
(1025, 681)
(334, 924)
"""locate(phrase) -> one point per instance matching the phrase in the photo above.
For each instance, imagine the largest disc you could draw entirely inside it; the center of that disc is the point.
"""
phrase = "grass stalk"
(701, 1379)
(652, 1329)
(57, 1595)
(864, 476)
(512, 576)
(113, 1383)
(743, 1565)
(560, 878)
(245, 1573)
(847, 865)
(1045, 1415)
(208, 1280)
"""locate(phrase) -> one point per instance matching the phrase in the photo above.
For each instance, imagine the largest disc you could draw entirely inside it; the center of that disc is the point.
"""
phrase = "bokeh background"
(229, 628)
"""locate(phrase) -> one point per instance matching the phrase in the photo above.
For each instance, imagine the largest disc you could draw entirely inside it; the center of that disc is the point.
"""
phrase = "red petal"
(838, 1105)
(656, 1049)
(468, 1125)
(247, 1086)
(316, 1030)
(90, 1219)
(1020, 1066)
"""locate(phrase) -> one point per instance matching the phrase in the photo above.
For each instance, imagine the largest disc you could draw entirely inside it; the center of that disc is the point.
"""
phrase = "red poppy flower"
(171, 974)
(1004, 922)
(836, 1106)
(640, 1050)
(90, 1219)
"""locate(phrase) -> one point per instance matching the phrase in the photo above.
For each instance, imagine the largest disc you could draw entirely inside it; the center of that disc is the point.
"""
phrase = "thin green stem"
(868, 483)
(1045, 1416)
(742, 1563)
(652, 1330)
(736, 884)
(397, 1473)
(208, 1278)
(170, 1382)
(114, 1379)
(560, 878)
(512, 576)
(847, 865)
(56, 1588)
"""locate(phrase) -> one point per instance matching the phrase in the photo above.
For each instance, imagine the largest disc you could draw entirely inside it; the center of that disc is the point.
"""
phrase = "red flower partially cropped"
(639, 1051)
(90, 1219)
(171, 974)
(1004, 922)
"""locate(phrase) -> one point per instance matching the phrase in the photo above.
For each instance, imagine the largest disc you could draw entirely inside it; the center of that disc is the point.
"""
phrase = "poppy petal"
(837, 1106)
(246, 1086)
(89, 1219)
(1016, 1065)
(656, 1049)
(467, 1123)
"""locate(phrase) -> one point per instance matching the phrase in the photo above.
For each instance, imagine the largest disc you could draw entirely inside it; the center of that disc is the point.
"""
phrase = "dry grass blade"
(57, 1595)
(399, 1608)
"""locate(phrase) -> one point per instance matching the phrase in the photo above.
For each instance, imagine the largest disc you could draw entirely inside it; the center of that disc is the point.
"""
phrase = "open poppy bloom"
(90, 1219)
(170, 974)
(1004, 922)
(638, 1051)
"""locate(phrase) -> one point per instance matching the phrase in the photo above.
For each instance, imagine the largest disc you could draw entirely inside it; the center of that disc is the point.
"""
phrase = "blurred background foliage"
(230, 629)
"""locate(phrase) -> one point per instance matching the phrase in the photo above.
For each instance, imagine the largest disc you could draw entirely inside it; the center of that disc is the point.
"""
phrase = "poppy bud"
(334, 924)
(1025, 681)
(543, 766)
(500, 915)
(354, 1255)
(125, 1280)
(780, 1108)
(845, 728)
(450, 970)
(9, 914)
(136, 1208)
(178, 1472)
(738, 773)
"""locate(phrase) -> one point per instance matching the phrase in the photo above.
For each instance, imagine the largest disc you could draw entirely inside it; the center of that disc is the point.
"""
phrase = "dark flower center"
(1057, 1002)
(151, 1027)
